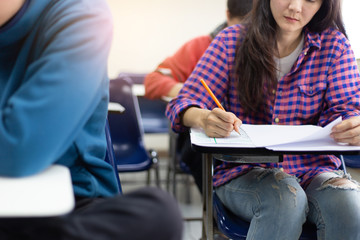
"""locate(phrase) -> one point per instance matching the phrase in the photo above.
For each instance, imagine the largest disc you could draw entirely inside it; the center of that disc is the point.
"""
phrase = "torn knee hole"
(280, 175)
(292, 189)
(340, 182)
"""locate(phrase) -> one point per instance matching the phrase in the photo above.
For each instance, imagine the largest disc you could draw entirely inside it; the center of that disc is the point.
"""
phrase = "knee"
(292, 201)
(161, 202)
(346, 197)
(342, 201)
(343, 183)
(291, 198)
(164, 211)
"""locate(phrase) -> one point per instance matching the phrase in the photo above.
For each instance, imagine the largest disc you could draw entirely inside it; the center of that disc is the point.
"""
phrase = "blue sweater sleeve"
(54, 86)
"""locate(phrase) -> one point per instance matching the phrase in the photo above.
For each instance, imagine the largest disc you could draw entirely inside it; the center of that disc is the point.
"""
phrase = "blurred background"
(145, 32)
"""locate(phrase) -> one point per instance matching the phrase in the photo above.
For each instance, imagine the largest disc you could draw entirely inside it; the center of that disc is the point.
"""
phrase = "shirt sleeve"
(180, 66)
(343, 90)
(213, 67)
(61, 86)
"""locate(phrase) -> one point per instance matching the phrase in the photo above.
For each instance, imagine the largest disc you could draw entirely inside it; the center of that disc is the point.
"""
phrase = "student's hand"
(174, 91)
(219, 123)
(348, 131)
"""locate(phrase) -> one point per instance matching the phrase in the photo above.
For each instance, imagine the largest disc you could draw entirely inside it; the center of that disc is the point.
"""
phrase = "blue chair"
(352, 161)
(236, 228)
(152, 111)
(127, 133)
(153, 119)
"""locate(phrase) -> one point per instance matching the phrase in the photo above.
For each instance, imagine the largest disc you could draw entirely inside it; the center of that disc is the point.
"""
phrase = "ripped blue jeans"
(277, 206)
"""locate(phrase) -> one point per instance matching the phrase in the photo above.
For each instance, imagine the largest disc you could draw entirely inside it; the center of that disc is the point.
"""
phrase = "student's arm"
(215, 68)
(168, 77)
(158, 84)
(343, 93)
(62, 85)
(174, 91)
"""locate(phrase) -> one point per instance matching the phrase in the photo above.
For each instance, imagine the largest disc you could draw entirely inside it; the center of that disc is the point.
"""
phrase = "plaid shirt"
(322, 85)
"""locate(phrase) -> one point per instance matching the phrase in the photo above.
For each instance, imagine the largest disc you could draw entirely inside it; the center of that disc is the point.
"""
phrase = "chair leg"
(157, 176)
(148, 177)
(174, 182)
(188, 190)
(168, 174)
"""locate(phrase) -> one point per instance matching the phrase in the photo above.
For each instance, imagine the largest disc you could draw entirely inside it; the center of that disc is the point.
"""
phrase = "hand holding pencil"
(234, 120)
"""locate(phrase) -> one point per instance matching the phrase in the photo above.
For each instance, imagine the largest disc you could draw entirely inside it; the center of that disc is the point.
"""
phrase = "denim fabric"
(334, 209)
(277, 206)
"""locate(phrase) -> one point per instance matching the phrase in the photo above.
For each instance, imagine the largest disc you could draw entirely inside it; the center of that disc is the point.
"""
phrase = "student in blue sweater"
(53, 107)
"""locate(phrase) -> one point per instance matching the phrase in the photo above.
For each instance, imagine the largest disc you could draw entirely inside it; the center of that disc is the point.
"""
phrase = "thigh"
(334, 206)
(262, 190)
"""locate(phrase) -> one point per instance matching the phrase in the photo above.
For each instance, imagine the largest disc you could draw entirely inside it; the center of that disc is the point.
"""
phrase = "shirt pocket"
(311, 100)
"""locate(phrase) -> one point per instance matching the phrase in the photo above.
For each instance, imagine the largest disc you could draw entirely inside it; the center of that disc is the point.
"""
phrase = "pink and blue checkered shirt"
(322, 85)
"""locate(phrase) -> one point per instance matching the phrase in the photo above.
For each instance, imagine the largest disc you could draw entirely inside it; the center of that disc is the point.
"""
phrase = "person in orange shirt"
(169, 76)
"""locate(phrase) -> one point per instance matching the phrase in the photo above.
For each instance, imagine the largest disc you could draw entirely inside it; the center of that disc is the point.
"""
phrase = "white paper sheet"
(276, 137)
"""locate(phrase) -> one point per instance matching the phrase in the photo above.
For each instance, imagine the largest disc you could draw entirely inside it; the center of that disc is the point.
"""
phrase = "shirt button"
(273, 91)
(277, 120)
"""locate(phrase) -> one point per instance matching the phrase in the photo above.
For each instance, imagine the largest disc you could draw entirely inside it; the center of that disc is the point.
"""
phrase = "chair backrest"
(110, 157)
(152, 111)
(136, 78)
(352, 161)
(126, 129)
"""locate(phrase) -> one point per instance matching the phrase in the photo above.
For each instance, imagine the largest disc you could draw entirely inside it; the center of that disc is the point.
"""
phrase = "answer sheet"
(276, 137)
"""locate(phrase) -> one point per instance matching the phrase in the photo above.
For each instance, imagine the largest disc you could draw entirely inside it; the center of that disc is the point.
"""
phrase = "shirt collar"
(15, 18)
(312, 39)
(22, 23)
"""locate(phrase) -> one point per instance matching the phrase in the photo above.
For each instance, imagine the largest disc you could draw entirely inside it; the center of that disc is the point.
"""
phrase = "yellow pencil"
(215, 99)
(212, 94)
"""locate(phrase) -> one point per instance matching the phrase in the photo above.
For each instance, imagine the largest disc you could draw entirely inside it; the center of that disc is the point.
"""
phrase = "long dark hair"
(255, 66)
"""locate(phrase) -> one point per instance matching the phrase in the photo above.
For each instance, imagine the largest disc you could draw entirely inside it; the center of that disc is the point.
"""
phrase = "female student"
(289, 63)
(159, 84)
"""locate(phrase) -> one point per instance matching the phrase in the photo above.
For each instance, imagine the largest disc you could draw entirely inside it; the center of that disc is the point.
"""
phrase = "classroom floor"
(192, 209)
(190, 204)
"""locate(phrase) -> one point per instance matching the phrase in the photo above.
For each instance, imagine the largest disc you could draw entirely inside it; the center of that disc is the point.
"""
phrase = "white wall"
(147, 31)
(351, 14)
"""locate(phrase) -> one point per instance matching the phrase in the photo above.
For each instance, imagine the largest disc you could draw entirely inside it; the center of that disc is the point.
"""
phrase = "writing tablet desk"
(223, 153)
(114, 107)
(45, 194)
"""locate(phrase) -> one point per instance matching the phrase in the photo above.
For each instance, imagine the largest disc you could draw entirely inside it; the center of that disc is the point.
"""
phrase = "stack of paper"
(276, 137)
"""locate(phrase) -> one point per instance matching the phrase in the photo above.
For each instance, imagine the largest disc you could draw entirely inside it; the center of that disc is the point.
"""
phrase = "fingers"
(347, 124)
(348, 131)
(220, 123)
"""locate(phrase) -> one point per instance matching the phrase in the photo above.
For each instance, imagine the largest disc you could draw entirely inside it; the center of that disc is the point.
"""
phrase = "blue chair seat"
(133, 158)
